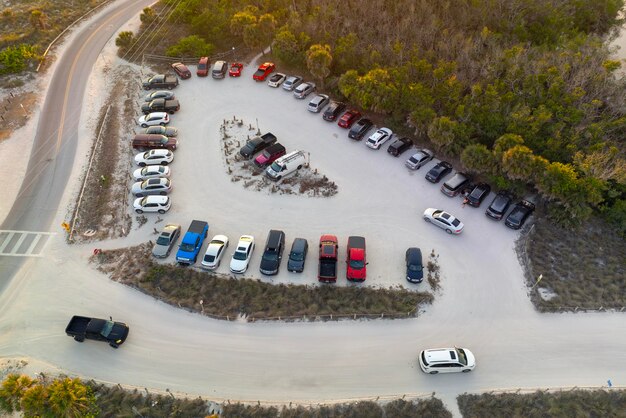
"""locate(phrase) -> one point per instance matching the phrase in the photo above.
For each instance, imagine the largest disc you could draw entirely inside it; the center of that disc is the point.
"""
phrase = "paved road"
(55, 142)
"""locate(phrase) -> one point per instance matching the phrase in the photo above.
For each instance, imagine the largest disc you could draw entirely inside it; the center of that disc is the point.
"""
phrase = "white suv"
(159, 204)
(154, 118)
(447, 360)
(378, 138)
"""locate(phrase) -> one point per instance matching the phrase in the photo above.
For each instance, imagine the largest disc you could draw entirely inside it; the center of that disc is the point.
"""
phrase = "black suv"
(297, 255)
(333, 111)
(273, 252)
(478, 194)
(439, 171)
(414, 266)
(359, 129)
(519, 214)
(398, 146)
(499, 205)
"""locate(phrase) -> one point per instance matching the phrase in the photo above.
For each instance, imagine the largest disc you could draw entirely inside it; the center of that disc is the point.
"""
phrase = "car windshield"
(106, 330)
(275, 167)
(239, 255)
(163, 240)
(188, 248)
(413, 160)
(296, 256)
(357, 264)
(270, 256)
(201, 67)
(415, 267)
(209, 258)
(462, 356)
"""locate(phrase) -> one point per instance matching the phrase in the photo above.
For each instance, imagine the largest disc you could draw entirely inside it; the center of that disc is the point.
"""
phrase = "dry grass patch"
(226, 297)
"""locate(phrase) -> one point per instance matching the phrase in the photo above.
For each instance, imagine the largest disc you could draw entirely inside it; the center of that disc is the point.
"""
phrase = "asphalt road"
(54, 146)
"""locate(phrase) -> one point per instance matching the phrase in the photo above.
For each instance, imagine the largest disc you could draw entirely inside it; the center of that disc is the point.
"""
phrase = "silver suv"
(155, 186)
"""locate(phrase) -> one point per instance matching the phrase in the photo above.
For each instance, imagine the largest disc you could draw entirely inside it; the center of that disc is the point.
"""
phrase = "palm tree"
(71, 398)
(12, 390)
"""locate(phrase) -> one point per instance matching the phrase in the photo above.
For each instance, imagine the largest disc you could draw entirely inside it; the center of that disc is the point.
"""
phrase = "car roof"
(441, 355)
(157, 199)
(414, 254)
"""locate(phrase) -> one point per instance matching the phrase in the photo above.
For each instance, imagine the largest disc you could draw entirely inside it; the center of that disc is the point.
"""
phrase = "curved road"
(54, 146)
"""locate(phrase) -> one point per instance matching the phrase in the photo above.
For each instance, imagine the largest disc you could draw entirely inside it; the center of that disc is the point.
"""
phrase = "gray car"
(166, 240)
(159, 94)
(292, 82)
(419, 159)
(297, 255)
(304, 90)
(155, 186)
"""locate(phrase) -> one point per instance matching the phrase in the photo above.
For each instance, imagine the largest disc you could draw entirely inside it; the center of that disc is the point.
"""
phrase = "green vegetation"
(524, 92)
(222, 296)
(570, 404)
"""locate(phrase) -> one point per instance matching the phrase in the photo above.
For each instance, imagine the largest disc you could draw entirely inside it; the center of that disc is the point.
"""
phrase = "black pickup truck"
(161, 105)
(160, 81)
(256, 144)
(82, 328)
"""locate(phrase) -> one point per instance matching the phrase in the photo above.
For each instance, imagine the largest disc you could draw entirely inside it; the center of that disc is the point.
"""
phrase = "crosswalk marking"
(11, 247)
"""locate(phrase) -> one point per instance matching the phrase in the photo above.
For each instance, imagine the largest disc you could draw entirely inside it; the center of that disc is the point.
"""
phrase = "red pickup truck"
(327, 272)
(356, 261)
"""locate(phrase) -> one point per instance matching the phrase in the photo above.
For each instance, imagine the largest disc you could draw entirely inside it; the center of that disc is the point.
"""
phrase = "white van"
(286, 165)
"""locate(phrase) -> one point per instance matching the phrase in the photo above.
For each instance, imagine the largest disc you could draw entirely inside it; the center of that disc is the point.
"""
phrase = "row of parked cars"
(459, 184)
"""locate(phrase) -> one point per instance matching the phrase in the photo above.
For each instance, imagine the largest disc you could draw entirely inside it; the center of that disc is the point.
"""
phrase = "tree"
(71, 398)
(147, 16)
(252, 37)
(240, 21)
(519, 163)
(38, 19)
(266, 30)
(448, 135)
(318, 61)
(124, 41)
(12, 390)
(478, 159)
(287, 47)
(14, 59)
(190, 46)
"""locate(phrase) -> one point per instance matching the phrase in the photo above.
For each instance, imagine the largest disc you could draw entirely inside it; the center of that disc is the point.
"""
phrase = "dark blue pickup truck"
(191, 244)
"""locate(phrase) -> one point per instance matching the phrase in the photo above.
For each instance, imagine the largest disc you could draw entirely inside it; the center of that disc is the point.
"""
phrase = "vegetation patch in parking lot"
(306, 181)
(571, 403)
(582, 269)
(225, 297)
(103, 209)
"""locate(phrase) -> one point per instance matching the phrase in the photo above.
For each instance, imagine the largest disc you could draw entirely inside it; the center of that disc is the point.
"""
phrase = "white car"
(157, 186)
(241, 256)
(318, 102)
(378, 138)
(154, 118)
(150, 172)
(154, 156)
(447, 360)
(443, 220)
(151, 204)
(303, 90)
(276, 79)
(214, 252)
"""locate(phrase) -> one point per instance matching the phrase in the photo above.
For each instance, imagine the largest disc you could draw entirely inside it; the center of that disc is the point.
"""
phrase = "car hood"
(415, 275)
(238, 264)
(295, 265)
(159, 250)
(118, 332)
(268, 264)
(471, 360)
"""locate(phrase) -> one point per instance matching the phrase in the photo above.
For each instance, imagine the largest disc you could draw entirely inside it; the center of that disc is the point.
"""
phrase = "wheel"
(427, 219)
(79, 339)
(299, 167)
(171, 112)
(143, 125)
(161, 211)
(139, 195)
(142, 164)
(170, 87)
(163, 193)
(448, 231)
(434, 372)
(279, 177)
(114, 345)
(162, 123)
(164, 163)
(466, 371)
(147, 88)
(139, 211)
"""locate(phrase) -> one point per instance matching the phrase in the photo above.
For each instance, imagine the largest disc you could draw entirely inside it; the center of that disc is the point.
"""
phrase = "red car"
(349, 118)
(203, 67)
(235, 69)
(182, 70)
(264, 70)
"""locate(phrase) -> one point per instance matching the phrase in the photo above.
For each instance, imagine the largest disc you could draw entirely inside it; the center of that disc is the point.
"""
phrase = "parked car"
(157, 186)
(154, 118)
(192, 241)
(161, 105)
(151, 171)
(317, 103)
(297, 255)
(159, 94)
(478, 194)
(360, 128)
(303, 90)
(328, 251)
(417, 160)
(292, 82)
(160, 81)
(378, 138)
(443, 220)
(166, 240)
(439, 171)
(273, 253)
(286, 165)
(203, 67)
(168, 131)
(499, 205)
(414, 266)
(181, 70)
(348, 118)
(153, 141)
(214, 252)
(447, 360)
(333, 111)
(276, 80)
(263, 71)
(235, 69)
(521, 211)
(456, 184)
(154, 156)
(256, 144)
(220, 68)
(269, 155)
(399, 146)
(151, 204)
(241, 256)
